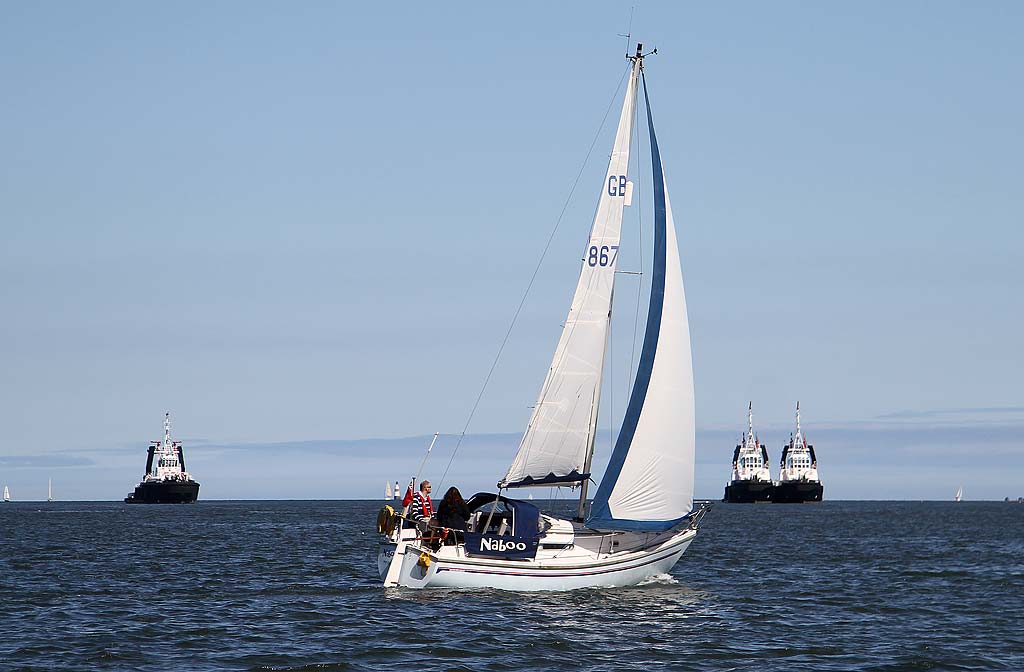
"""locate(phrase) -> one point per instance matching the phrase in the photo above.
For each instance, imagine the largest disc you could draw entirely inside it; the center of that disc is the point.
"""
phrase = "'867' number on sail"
(603, 255)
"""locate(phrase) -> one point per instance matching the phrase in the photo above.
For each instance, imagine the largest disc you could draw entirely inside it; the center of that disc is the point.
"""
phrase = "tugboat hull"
(164, 492)
(798, 492)
(748, 492)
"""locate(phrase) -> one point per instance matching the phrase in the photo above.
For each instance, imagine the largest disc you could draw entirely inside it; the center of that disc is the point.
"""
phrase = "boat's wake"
(659, 580)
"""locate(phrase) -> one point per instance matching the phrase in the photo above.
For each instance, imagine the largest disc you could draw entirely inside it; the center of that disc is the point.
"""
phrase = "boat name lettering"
(501, 545)
(616, 185)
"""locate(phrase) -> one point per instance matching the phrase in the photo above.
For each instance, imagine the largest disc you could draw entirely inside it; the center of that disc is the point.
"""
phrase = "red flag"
(407, 500)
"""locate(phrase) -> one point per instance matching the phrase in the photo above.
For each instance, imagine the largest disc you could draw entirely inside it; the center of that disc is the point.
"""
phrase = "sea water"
(294, 586)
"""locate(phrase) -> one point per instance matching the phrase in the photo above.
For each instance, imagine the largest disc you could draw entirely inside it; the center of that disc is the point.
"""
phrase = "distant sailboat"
(388, 495)
(959, 496)
(7, 494)
(49, 489)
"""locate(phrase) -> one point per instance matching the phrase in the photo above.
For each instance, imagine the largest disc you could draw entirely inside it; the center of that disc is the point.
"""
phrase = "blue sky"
(290, 224)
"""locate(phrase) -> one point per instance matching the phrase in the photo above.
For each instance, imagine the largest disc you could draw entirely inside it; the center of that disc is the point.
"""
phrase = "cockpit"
(502, 527)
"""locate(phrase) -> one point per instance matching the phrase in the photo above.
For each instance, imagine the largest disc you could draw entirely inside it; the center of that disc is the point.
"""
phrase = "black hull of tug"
(749, 492)
(798, 492)
(164, 492)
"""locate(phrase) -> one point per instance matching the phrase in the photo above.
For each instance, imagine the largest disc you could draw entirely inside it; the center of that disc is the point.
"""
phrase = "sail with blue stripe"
(648, 484)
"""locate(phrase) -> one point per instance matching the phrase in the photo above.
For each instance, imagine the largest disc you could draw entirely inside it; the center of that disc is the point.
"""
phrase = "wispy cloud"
(953, 412)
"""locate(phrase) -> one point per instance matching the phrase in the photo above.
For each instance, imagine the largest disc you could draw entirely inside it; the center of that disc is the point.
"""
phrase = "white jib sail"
(560, 431)
(656, 479)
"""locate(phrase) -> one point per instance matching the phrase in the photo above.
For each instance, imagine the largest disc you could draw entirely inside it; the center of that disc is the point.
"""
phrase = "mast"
(750, 422)
(581, 509)
(799, 434)
(592, 436)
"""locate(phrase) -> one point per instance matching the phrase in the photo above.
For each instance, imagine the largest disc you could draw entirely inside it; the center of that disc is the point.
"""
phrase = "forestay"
(649, 480)
(555, 445)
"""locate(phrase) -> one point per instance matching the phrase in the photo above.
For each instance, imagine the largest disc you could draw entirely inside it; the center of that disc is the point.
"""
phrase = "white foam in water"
(659, 580)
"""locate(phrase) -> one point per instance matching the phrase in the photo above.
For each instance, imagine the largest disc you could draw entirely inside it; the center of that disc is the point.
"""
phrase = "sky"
(305, 230)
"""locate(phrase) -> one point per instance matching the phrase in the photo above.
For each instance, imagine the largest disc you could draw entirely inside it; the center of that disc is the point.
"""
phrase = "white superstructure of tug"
(751, 464)
(167, 460)
(799, 463)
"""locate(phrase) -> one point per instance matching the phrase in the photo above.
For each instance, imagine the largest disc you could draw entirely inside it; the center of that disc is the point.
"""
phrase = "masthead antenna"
(629, 31)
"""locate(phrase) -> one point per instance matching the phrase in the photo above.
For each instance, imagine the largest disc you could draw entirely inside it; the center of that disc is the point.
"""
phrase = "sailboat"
(7, 494)
(959, 496)
(388, 494)
(642, 518)
(49, 489)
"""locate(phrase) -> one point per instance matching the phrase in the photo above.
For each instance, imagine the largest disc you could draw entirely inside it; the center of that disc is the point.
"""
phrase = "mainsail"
(560, 433)
(648, 484)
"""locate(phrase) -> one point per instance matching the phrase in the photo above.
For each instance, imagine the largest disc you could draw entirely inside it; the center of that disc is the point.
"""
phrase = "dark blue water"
(293, 586)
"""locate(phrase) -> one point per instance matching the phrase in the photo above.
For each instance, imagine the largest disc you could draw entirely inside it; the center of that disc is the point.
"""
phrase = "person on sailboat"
(452, 513)
(422, 508)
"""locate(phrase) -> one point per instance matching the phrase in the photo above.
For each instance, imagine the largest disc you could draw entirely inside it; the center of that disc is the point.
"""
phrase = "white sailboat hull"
(583, 565)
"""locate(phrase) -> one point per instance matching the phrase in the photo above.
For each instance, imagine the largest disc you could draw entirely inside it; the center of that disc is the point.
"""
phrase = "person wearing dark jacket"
(452, 512)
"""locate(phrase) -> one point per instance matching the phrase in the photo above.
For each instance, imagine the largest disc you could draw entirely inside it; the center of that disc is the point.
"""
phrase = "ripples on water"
(881, 586)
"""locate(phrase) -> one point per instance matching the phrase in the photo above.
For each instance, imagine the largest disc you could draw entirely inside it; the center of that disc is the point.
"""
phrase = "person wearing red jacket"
(422, 508)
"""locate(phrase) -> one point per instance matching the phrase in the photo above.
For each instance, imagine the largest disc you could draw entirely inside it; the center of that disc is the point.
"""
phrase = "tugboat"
(798, 478)
(751, 477)
(166, 481)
